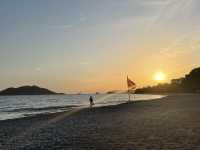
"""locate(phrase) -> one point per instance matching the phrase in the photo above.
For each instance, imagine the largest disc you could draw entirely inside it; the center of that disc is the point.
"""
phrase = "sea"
(12, 107)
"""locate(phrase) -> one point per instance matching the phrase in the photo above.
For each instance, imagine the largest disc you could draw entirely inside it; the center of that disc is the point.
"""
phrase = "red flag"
(131, 85)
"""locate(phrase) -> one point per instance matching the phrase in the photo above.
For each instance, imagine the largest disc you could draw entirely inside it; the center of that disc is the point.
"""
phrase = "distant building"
(177, 81)
(97, 93)
(111, 92)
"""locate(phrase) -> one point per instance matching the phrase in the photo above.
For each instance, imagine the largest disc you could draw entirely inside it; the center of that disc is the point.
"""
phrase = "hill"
(27, 90)
(188, 84)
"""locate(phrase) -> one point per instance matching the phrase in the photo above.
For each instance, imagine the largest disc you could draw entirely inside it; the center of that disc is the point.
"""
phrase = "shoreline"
(30, 111)
(171, 122)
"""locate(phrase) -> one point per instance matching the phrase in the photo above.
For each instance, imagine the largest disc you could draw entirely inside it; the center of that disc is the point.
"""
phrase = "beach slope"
(172, 123)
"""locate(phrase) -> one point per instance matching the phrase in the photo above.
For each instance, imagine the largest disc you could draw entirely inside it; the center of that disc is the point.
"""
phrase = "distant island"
(188, 84)
(111, 92)
(27, 90)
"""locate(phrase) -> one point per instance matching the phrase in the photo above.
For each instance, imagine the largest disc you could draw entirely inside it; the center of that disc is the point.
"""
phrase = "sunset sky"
(91, 45)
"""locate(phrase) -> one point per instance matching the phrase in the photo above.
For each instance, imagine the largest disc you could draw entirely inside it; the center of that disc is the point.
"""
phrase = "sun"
(159, 76)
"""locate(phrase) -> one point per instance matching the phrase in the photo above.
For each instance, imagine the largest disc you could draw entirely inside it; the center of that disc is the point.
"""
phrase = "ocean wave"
(41, 109)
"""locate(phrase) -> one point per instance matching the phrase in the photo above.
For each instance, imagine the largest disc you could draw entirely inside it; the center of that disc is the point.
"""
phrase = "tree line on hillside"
(188, 84)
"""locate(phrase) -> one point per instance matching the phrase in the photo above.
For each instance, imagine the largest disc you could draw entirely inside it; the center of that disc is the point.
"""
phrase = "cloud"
(61, 26)
(84, 63)
(70, 26)
(155, 2)
(184, 46)
(38, 69)
(82, 18)
(175, 11)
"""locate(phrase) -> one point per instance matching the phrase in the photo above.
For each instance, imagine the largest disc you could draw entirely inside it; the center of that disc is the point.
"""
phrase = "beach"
(169, 123)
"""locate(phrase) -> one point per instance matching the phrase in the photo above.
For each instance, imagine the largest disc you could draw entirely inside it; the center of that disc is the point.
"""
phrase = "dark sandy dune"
(172, 123)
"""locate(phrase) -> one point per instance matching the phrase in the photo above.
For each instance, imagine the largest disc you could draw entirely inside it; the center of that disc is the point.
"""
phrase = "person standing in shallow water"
(91, 101)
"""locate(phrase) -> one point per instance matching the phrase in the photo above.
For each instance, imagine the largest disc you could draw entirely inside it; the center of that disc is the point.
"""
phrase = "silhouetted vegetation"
(27, 90)
(188, 84)
(111, 92)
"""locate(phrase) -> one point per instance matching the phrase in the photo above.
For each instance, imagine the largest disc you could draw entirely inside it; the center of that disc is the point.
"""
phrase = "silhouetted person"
(91, 101)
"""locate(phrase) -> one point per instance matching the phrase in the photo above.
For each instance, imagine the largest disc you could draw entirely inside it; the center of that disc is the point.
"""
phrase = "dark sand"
(171, 123)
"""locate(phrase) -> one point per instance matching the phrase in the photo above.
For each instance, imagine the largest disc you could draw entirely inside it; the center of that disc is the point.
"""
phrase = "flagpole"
(129, 96)
(131, 86)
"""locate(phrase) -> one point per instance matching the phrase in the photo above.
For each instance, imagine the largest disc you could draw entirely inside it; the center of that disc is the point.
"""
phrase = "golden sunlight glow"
(159, 76)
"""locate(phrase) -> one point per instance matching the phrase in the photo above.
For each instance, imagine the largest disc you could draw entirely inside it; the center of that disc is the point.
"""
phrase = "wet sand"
(171, 123)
